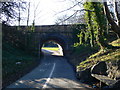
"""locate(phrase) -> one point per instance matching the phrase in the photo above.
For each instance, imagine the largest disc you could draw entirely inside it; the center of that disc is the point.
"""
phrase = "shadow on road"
(53, 72)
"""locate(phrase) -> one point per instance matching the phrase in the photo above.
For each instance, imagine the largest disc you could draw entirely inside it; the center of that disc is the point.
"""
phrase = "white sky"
(47, 11)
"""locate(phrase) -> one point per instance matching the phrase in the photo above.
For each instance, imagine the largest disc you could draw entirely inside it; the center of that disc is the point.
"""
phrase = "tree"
(97, 15)
(35, 12)
(10, 11)
(76, 18)
(96, 24)
(115, 24)
(72, 19)
(28, 13)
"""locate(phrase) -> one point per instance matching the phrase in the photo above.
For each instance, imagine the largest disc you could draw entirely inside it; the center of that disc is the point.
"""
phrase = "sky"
(47, 11)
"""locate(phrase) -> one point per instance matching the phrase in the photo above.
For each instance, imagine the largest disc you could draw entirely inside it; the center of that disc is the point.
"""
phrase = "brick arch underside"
(58, 39)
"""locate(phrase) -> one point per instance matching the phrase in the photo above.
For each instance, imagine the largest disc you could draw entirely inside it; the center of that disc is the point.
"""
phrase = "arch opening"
(60, 40)
(51, 47)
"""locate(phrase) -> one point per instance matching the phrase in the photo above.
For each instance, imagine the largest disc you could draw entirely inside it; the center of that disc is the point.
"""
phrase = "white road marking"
(48, 79)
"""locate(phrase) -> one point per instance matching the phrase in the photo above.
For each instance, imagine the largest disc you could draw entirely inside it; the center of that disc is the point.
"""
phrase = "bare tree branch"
(85, 10)
(68, 17)
(70, 7)
(35, 12)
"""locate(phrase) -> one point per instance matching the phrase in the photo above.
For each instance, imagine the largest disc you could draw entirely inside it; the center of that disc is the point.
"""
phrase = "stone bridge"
(33, 41)
(61, 34)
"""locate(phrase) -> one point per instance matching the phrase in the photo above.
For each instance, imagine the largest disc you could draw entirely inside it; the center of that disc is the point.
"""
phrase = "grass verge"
(15, 63)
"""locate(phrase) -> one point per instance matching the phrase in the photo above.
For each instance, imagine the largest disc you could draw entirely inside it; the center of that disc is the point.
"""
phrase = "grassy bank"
(81, 53)
(15, 63)
(108, 56)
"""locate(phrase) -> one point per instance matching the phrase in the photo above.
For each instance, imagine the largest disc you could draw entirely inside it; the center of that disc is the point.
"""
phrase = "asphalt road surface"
(53, 72)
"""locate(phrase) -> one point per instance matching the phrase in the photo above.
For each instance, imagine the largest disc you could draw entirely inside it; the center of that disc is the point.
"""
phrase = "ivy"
(78, 28)
(96, 24)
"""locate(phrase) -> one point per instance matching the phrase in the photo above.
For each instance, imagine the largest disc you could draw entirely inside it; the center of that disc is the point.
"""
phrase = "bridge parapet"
(53, 28)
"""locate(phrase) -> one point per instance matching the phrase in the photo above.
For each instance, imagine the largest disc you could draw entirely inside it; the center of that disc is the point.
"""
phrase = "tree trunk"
(19, 15)
(28, 13)
(114, 26)
(117, 14)
(91, 30)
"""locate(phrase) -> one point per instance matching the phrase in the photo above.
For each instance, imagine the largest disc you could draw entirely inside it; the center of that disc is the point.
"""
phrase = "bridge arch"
(60, 39)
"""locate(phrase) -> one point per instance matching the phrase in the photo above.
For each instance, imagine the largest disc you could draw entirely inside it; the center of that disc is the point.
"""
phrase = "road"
(53, 72)
(52, 52)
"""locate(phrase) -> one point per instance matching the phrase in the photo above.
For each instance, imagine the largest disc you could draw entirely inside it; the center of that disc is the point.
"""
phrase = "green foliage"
(116, 42)
(33, 27)
(77, 28)
(84, 48)
(96, 25)
(108, 56)
(30, 28)
(81, 52)
(111, 56)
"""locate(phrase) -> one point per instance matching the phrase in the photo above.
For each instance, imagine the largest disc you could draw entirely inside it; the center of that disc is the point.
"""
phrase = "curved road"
(53, 72)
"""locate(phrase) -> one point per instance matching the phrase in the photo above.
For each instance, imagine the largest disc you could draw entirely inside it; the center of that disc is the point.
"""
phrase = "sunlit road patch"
(52, 51)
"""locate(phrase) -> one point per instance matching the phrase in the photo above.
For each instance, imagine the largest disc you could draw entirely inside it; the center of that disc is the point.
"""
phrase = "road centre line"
(48, 79)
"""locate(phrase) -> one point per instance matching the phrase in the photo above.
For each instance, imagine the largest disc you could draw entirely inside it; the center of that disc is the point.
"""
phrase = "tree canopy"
(97, 14)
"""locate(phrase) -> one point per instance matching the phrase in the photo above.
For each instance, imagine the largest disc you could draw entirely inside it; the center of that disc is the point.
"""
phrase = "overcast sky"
(48, 11)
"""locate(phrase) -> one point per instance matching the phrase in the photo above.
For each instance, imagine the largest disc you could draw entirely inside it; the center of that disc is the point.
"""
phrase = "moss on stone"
(108, 56)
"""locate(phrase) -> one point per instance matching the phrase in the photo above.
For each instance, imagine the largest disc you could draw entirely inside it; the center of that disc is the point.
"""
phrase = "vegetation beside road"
(82, 52)
(15, 63)
(108, 56)
(85, 57)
